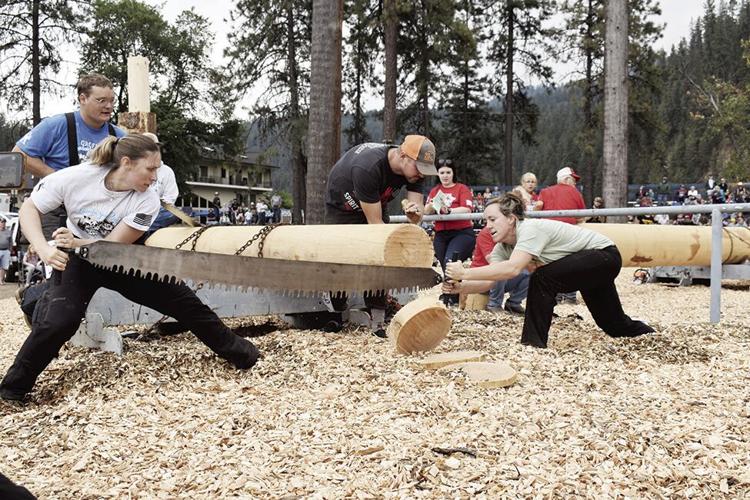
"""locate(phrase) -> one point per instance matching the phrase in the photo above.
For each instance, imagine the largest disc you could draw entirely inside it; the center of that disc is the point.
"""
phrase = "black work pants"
(61, 308)
(448, 242)
(593, 272)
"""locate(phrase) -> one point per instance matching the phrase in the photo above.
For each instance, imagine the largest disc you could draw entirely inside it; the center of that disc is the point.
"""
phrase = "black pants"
(448, 242)
(593, 272)
(335, 216)
(11, 491)
(61, 308)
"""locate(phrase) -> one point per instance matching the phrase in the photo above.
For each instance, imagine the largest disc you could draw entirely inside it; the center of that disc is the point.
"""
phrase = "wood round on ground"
(443, 359)
(476, 301)
(419, 326)
(489, 374)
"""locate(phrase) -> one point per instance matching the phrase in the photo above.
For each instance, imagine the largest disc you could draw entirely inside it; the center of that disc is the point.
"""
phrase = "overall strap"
(111, 129)
(72, 140)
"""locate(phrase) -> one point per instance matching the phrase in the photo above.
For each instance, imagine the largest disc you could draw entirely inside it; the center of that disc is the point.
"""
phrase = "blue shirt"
(48, 141)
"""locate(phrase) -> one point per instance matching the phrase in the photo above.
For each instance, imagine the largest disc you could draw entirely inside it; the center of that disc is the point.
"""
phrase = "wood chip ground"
(340, 415)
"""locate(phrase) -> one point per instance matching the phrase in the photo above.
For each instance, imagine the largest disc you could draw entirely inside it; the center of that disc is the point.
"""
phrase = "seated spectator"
(724, 186)
(527, 191)
(716, 196)
(517, 287)
(642, 191)
(681, 194)
(34, 267)
(646, 218)
(693, 192)
(598, 219)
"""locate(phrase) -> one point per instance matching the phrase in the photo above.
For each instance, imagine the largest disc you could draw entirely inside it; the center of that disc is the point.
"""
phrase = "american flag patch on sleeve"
(142, 219)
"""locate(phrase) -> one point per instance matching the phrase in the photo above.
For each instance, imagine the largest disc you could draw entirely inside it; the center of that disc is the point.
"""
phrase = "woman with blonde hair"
(109, 199)
(527, 191)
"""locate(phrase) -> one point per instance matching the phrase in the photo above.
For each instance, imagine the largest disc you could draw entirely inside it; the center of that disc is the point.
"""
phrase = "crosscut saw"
(292, 277)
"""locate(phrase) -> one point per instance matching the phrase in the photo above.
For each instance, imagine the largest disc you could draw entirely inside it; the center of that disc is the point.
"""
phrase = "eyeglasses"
(445, 163)
(105, 100)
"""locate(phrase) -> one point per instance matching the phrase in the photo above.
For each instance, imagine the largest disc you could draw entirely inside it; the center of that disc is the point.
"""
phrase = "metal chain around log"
(259, 235)
(193, 237)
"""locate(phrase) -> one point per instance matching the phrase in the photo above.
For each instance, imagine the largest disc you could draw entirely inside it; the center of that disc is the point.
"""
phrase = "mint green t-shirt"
(549, 240)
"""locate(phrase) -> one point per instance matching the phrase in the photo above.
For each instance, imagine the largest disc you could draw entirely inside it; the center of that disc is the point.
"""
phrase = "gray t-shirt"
(549, 240)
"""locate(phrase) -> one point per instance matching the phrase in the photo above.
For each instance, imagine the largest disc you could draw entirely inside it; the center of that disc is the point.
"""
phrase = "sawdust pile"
(331, 415)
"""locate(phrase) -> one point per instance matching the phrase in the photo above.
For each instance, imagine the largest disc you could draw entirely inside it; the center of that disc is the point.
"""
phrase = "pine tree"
(269, 50)
(32, 34)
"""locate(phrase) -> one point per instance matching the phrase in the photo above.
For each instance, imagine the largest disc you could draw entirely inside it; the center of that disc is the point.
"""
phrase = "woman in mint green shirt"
(562, 257)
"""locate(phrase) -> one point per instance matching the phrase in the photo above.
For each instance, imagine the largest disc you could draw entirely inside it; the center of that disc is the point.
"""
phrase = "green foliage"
(58, 23)
(360, 59)
(10, 132)
(180, 77)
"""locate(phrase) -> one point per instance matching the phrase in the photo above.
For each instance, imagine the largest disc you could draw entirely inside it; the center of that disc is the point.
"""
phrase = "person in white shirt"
(107, 199)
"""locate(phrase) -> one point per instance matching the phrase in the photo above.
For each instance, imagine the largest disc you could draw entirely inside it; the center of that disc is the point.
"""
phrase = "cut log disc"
(489, 374)
(419, 326)
(476, 301)
(450, 358)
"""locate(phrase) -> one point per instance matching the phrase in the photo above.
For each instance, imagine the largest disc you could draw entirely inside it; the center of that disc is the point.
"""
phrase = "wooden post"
(138, 118)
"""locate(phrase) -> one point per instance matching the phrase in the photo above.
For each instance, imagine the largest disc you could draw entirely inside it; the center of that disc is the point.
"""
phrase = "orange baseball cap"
(421, 149)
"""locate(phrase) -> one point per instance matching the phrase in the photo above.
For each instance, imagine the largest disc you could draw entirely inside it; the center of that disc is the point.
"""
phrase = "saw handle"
(446, 298)
(61, 222)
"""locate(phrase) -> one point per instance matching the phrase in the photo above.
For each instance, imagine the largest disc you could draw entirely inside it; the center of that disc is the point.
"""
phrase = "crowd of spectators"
(665, 193)
(260, 212)
(711, 192)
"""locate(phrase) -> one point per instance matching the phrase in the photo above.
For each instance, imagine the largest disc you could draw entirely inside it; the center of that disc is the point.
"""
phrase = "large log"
(650, 245)
(377, 244)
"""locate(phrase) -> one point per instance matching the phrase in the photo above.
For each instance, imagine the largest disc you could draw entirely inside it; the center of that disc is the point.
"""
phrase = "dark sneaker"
(11, 395)
(380, 333)
(514, 308)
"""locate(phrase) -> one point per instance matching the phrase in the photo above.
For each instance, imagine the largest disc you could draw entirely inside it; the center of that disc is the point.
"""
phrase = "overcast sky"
(677, 15)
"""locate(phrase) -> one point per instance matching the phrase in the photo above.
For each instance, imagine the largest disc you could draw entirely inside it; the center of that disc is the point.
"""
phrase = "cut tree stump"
(450, 358)
(489, 374)
(419, 326)
(476, 301)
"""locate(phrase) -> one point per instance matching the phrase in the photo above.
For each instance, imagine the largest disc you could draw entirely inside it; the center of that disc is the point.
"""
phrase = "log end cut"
(419, 326)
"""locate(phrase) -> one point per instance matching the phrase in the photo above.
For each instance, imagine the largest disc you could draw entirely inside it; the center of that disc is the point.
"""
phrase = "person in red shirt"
(451, 197)
(517, 287)
(563, 195)
(527, 191)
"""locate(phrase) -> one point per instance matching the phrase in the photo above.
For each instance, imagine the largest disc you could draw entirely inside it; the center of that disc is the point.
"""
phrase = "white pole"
(138, 87)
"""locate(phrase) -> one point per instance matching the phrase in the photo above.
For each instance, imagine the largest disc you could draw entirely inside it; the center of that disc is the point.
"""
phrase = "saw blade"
(290, 276)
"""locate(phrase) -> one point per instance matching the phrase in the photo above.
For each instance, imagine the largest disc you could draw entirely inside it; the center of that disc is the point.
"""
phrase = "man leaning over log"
(367, 177)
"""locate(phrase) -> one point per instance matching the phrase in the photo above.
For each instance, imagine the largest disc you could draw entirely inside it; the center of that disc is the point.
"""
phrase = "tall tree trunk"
(616, 105)
(424, 75)
(588, 105)
(36, 83)
(508, 174)
(391, 66)
(295, 137)
(324, 130)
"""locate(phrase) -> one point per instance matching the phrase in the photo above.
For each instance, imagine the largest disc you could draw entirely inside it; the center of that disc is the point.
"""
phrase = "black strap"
(72, 140)
(73, 158)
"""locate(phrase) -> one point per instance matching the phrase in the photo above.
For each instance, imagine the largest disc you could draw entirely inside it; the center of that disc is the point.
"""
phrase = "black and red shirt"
(363, 174)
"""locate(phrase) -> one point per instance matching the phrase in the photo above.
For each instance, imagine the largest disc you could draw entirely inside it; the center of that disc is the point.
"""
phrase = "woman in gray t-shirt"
(563, 258)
